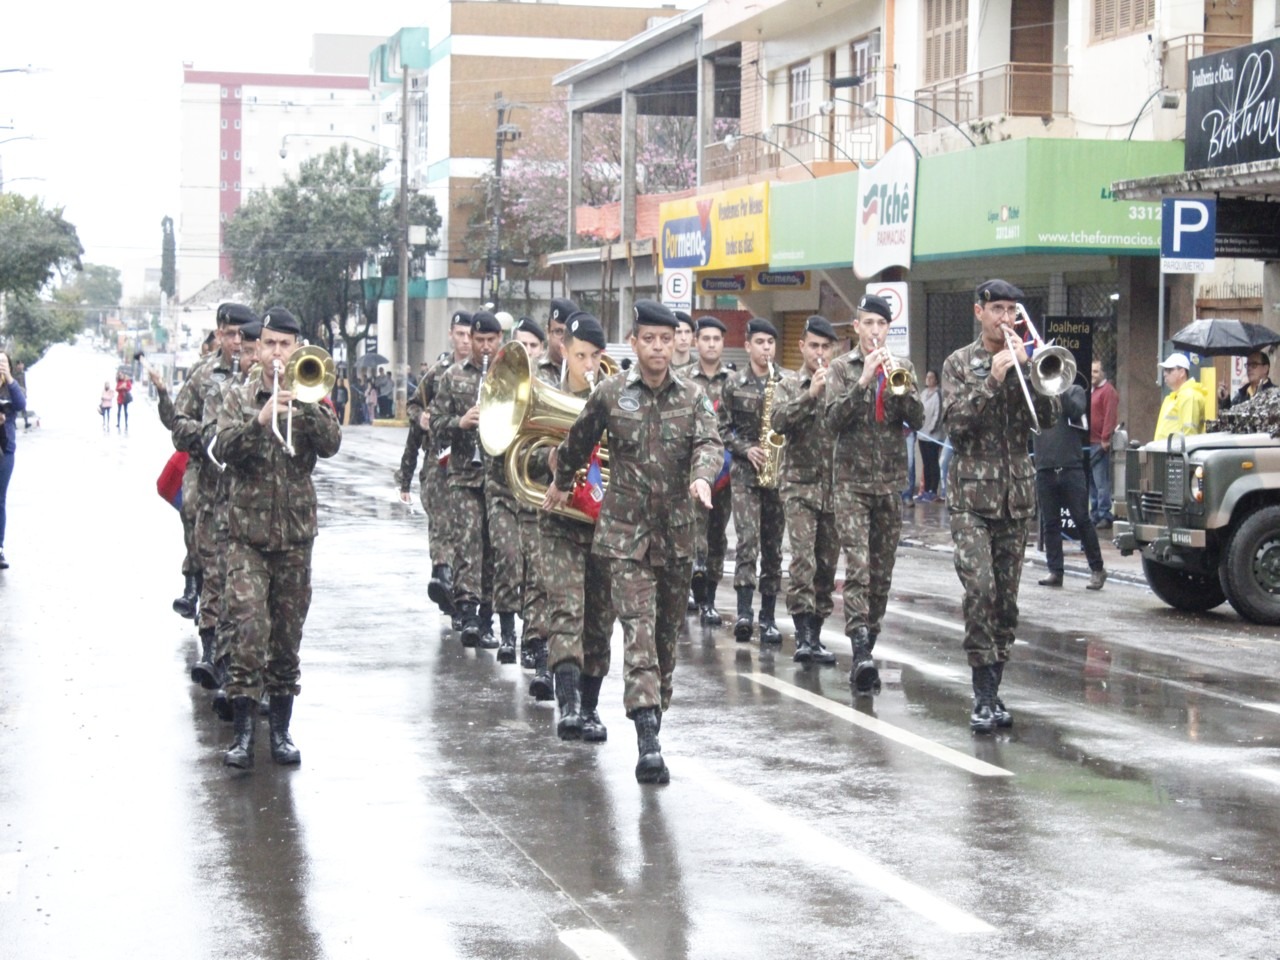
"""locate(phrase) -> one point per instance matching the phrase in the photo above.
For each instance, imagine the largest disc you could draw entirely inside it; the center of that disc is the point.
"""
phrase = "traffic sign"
(677, 289)
(1187, 230)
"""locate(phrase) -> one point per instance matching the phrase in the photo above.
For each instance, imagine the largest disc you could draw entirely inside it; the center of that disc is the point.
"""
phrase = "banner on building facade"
(720, 231)
(1233, 104)
(886, 212)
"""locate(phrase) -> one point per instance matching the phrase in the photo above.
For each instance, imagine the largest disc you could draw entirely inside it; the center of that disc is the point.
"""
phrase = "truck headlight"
(1197, 484)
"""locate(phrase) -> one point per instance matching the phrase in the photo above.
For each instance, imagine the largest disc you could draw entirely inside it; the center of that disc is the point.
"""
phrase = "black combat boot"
(818, 652)
(983, 719)
(487, 640)
(593, 730)
(864, 676)
(188, 604)
(507, 648)
(769, 632)
(282, 749)
(244, 716)
(221, 705)
(541, 687)
(526, 653)
(803, 653)
(651, 768)
(440, 588)
(710, 616)
(743, 626)
(699, 579)
(203, 672)
(569, 701)
(471, 627)
(999, 711)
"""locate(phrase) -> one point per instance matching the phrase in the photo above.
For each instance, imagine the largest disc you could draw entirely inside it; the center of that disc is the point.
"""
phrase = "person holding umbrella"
(1258, 370)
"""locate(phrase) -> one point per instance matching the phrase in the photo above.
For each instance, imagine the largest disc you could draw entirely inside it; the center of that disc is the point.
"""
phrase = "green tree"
(36, 245)
(323, 244)
(34, 325)
(96, 287)
(168, 260)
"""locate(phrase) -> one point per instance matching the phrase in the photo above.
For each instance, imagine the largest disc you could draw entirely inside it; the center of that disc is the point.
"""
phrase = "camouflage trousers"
(473, 557)
(815, 551)
(268, 595)
(579, 612)
(650, 602)
(870, 525)
(210, 546)
(988, 559)
(508, 556)
(712, 537)
(436, 501)
(534, 610)
(191, 560)
(758, 523)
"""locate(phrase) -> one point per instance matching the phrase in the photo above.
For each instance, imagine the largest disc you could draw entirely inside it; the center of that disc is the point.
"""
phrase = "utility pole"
(401, 375)
(506, 133)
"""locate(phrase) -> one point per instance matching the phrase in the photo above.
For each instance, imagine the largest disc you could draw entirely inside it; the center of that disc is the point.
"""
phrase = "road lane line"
(817, 848)
(886, 730)
(595, 945)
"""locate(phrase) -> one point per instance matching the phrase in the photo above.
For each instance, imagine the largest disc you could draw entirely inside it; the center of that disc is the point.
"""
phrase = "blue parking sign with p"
(1187, 232)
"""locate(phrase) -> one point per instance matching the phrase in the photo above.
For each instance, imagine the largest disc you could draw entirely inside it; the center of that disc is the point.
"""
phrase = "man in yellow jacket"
(1183, 408)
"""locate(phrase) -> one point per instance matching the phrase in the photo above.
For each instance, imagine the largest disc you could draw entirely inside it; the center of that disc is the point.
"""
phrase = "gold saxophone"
(773, 442)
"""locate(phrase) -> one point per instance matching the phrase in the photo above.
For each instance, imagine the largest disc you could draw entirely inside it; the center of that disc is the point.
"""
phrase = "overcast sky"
(105, 107)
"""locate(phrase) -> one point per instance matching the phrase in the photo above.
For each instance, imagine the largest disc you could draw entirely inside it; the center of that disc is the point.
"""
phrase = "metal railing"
(1177, 52)
(817, 138)
(1010, 89)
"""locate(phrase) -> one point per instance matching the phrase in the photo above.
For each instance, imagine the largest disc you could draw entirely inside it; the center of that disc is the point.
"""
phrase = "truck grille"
(1151, 503)
(1175, 476)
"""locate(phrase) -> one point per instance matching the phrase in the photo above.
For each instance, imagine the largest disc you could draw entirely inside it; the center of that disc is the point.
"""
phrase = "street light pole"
(493, 261)
(402, 286)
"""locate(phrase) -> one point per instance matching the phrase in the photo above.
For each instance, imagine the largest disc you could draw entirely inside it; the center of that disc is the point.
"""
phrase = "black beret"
(529, 325)
(682, 317)
(881, 307)
(460, 319)
(761, 325)
(561, 310)
(994, 290)
(821, 326)
(710, 323)
(234, 313)
(250, 332)
(585, 327)
(651, 313)
(280, 320)
(482, 321)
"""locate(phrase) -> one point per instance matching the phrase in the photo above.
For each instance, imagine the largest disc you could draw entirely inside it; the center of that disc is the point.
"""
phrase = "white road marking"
(886, 730)
(817, 848)
(595, 945)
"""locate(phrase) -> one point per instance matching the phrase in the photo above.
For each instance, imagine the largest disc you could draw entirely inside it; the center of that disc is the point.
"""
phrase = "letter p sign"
(1188, 230)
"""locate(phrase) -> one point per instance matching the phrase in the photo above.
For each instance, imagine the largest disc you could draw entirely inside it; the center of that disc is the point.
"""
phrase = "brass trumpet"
(898, 378)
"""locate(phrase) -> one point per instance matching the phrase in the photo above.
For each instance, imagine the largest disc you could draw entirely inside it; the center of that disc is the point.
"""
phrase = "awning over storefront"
(811, 223)
(1039, 196)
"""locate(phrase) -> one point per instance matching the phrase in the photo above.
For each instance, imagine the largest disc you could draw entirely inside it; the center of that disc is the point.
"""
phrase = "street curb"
(1120, 576)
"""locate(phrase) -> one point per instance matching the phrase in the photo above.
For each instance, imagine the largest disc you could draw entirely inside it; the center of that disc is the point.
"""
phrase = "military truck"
(1205, 513)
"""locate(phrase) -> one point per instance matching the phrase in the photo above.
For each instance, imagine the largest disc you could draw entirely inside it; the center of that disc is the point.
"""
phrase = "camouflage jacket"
(989, 426)
(272, 499)
(870, 454)
(712, 386)
(741, 409)
(810, 442)
(659, 443)
(456, 393)
(168, 413)
(428, 386)
(415, 440)
(196, 419)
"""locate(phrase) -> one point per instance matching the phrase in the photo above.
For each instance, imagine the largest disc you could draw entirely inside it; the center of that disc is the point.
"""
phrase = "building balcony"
(1007, 90)
(1177, 52)
(823, 143)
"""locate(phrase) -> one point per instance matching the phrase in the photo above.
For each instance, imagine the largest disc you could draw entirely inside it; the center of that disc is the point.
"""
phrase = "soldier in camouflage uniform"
(205, 385)
(272, 523)
(868, 419)
(455, 416)
(991, 488)
(712, 540)
(664, 452)
(684, 358)
(559, 314)
(434, 487)
(187, 604)
(758, 519)
(807, 495)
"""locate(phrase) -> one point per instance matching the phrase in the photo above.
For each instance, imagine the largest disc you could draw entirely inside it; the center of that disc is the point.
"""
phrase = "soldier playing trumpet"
(868, 406)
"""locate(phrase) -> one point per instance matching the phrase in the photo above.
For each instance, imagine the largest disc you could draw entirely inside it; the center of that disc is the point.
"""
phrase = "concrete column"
(706, 110)
(629, 154)
(575, 175)
(1137, 352)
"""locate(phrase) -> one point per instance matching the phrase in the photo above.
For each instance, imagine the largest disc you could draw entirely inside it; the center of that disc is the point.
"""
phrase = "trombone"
(1053, 368)
(310, 374)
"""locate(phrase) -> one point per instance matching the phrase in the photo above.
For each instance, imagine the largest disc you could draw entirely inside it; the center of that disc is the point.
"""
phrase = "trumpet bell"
(1053, 370)
(899, 381)
(311, 372)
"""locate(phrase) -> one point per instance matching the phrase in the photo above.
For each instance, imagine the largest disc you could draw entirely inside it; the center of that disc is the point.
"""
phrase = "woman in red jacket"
(124, 397)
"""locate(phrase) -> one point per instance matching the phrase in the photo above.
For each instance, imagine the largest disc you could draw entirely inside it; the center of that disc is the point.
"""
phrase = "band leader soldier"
(456, 415)
(664, 452)
(991, 493)
(435, 490)
(712, 539)
(757, 512)
(272, 526)
(807, 493)
(868, 417)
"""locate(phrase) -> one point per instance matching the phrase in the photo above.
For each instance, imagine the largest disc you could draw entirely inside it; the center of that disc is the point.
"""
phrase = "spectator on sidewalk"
(1103, 406)
(1183, 409)
(1258, 370)
(931, 437)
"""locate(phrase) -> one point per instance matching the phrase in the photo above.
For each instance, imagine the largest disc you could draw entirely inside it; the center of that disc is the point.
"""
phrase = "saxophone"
(772, 441)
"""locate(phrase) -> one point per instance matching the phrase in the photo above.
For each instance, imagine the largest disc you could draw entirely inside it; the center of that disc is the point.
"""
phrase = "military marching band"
(569, 494)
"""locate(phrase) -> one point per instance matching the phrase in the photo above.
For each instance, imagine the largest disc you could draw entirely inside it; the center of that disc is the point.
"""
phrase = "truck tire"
(1182, 590)
(1251, 567)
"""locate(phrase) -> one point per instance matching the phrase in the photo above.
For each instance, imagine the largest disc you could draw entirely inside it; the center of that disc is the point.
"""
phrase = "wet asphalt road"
(1133, 810)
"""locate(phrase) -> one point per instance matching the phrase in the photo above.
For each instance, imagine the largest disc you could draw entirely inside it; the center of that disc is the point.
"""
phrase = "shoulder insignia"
(629, 401)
